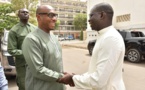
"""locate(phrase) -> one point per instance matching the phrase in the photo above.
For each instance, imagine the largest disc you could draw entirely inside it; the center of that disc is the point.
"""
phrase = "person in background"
(43, 53)
(3, 80)
(15, 40)
(105, 69)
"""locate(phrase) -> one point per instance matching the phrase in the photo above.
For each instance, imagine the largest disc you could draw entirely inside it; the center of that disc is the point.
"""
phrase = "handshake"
(67, 79)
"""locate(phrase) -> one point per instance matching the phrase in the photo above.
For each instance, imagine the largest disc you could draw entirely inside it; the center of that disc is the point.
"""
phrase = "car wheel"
(133, 55)
(91, 50)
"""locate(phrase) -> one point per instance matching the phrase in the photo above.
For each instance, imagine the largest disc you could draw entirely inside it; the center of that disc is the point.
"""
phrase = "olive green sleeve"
(12, 44)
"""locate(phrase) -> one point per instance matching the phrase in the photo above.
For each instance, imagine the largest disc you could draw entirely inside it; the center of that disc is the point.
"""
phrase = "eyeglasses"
(50, 15)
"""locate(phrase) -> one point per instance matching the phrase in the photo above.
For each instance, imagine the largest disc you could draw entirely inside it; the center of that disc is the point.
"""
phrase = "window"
(70, 22)
(137, 34)
(62, 22)
(123, 18)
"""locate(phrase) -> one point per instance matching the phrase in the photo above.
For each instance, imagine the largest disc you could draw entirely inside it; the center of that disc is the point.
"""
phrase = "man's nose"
(54, 18)
(89, 20)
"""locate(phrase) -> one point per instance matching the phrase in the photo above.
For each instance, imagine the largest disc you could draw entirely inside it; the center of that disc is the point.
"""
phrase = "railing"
(80, 4)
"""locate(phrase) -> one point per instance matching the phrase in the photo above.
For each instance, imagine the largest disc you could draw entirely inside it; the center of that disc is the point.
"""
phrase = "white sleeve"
(105, 64)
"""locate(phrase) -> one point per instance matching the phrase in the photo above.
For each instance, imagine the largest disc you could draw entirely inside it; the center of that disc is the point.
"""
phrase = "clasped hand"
(67, 79)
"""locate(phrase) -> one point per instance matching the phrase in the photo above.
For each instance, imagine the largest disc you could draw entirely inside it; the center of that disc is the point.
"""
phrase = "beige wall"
(133, 7)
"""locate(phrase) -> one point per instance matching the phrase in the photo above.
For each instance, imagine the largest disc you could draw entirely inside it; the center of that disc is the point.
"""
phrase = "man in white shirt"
(105, 69)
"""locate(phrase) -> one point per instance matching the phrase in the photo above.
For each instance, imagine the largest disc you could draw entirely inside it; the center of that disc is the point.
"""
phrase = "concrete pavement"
(75, 43)
(133, 72)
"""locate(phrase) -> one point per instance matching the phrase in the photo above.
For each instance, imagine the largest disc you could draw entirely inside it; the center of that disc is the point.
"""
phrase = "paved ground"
(74, 43)
(133, 72)
(133, 78)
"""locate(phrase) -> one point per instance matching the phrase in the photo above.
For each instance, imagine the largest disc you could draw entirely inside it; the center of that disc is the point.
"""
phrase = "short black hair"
(104, 7)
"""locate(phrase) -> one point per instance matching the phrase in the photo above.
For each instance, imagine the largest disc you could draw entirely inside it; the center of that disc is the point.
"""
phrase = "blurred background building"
(66, 9)
(128, 15)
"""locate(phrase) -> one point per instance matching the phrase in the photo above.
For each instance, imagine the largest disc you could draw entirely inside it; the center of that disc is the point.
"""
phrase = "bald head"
(46, 17)
(42, 8)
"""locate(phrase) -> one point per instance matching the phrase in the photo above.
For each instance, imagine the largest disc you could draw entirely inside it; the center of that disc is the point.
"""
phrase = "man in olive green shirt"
(15, 40)
(43, 53)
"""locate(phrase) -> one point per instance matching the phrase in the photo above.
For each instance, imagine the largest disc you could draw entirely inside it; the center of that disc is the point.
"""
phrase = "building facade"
(128, 14)
(66, 9)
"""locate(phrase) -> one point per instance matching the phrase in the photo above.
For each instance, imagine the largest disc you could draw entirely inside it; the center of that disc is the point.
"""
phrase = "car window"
(141, 34)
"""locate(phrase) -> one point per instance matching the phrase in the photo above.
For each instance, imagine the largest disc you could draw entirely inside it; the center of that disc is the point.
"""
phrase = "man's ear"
(38, 17)
(102, 15)
(18, 13)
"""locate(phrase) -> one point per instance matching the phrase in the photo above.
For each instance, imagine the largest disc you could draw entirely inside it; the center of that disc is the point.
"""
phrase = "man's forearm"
(15, 52)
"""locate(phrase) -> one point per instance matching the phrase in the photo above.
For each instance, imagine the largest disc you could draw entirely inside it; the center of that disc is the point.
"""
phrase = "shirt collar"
(43, 32)
(22, 24)
(102, 31)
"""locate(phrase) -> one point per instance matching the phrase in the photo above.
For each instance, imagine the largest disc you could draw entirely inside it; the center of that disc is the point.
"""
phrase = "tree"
(81, 35)
(31, 5)
(7, 20)
(57, 24)
(80, 21)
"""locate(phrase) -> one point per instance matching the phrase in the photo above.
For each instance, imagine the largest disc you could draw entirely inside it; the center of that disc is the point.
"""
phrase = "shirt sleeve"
(106, 61)
(12, 44)
(34, 58)
(3, 80)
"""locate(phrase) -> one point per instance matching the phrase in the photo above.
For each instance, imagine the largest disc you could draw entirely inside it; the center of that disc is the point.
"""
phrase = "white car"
(61, 38)
(6, 59)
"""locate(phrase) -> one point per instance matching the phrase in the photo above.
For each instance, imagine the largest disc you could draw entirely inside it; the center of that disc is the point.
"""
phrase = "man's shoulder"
(15, 27)
(33, 34)
(32, 25)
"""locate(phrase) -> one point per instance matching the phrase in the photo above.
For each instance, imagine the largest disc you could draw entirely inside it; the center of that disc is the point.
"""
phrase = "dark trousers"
(20, 77)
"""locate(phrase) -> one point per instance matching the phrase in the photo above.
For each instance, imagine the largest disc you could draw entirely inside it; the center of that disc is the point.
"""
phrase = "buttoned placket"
(55, 46)
(28, 29)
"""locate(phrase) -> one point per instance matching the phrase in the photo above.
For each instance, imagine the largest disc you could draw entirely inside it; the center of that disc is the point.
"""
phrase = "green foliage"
(31, 5)
(7, 19)
(81, 35)
(32, 18)
(80, 21)
(57, 24)
(8, 16)
(8, 13)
